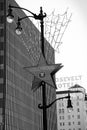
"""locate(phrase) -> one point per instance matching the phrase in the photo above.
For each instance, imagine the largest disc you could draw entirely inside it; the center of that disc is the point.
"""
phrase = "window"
(1, 103)
(63, 117)
(78, 110)
(77, 103)
(1, 46)
(86, 111)
(1, 59)
(60, 117)
(86, 104)
(73, 116)
(77, 97)
(63, 123)
(78, 116)
(69, 116)
(1, 73)
(62, 110)
(79, 122)
(1, 32)
(59, 110)
(1, 80)
(59, 104)
(1, 6)
(69, 123)
(62, 104)
(79, 128)
(73, 122)
(1, 88)
(60, 123)
(1, 19)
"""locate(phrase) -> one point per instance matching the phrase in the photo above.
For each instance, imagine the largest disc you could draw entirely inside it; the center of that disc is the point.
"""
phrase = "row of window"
(62, 104)
(69, 123)
(61, 117)
(69, 117)
(72, 129)
(61, 111)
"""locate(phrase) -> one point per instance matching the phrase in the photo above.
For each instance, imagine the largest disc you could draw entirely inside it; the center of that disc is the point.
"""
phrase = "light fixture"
(10, 16)
(69, 104)
(18, 29)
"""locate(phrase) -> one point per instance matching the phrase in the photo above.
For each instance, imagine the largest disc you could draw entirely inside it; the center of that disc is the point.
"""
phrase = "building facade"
(85, 112)
(18, 103)
(2, 61)
(77, 118)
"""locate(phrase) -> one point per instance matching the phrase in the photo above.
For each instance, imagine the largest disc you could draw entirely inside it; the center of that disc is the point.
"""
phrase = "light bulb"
(70, 109)
(10, 19)
(18, 31)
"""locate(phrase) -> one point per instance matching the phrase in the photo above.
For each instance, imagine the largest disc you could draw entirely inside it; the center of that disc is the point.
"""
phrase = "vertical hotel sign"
(2, 61)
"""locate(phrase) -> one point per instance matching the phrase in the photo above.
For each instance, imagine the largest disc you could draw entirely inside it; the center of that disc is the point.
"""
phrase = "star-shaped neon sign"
(43, 72)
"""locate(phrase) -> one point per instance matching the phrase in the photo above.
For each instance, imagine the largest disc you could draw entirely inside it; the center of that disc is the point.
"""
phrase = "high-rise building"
(85, 112)
(18, 103)
(77, 118)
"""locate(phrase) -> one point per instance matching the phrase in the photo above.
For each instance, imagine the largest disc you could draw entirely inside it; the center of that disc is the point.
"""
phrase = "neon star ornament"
(43, 72)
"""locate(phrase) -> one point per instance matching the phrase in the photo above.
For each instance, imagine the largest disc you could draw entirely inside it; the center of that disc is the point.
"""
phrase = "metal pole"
(42, 32)
(44, 106)
(43, 83)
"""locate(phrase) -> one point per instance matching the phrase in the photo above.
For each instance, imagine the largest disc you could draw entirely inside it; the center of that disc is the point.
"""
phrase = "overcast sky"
(73, 51)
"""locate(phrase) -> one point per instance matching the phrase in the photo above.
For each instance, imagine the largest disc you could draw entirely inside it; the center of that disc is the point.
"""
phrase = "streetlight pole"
(43, 84)
(40, 17)
(44, 105)
(43, 72)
